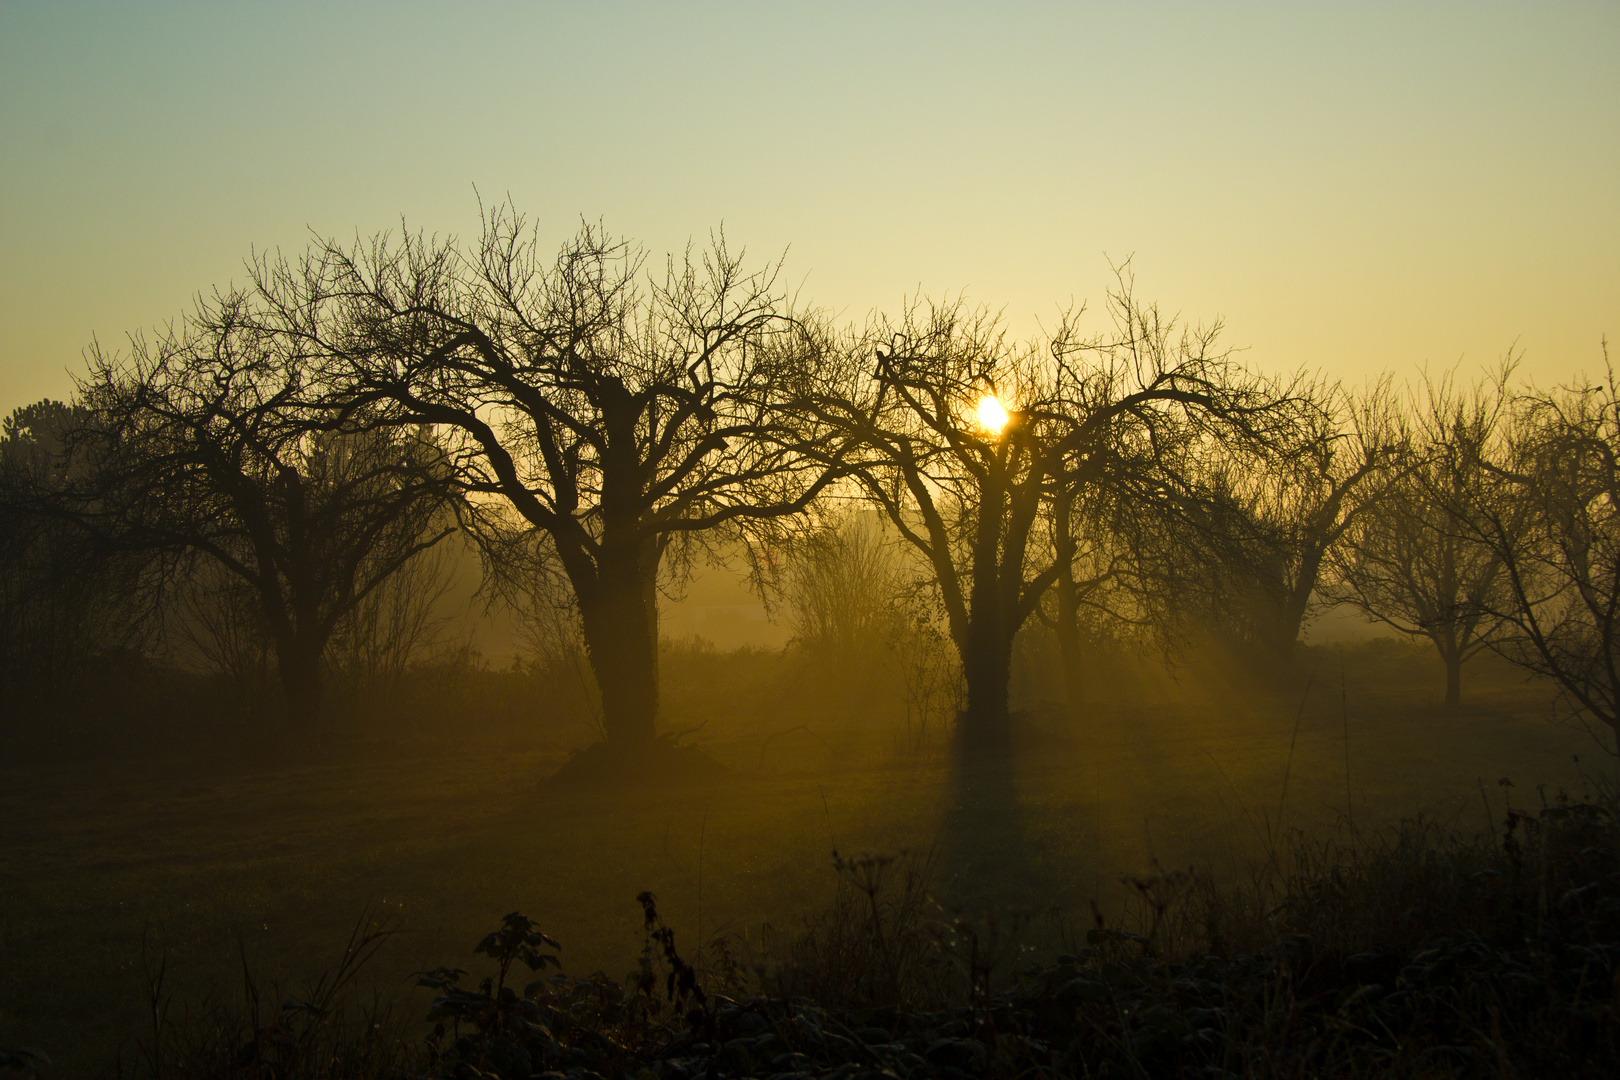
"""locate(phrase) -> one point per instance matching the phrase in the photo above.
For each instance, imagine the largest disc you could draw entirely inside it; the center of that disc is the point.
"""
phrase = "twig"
(1288, 767)
(1344, 711)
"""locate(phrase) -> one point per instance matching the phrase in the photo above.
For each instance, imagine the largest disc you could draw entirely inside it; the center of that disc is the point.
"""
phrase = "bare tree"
(964, 493)
(961, 438)
(843, 581)
(398, 623)
(1125, 520)
(623, 421)
(67, 602)
(1412, 560)
(1552, 517)
(1267, 524)
(214, 442)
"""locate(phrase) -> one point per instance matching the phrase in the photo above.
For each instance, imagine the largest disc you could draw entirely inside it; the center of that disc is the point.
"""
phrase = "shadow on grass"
(986, 849)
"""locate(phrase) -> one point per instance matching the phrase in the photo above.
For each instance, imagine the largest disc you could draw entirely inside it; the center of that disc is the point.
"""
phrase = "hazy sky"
(1353, 187)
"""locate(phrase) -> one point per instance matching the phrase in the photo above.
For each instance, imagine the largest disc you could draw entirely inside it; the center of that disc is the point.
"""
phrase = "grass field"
(207, 856)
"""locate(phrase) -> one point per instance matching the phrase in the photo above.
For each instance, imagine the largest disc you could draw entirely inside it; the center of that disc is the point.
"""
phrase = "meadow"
(220, 852)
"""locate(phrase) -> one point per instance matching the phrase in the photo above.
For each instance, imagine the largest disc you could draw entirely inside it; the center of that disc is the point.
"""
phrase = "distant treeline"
(265, 488)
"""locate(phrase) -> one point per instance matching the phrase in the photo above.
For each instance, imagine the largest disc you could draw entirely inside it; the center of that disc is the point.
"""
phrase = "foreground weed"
(323, 1031)
(20, 1060)
(1415, 953)
(875, 944)
(491, 1028)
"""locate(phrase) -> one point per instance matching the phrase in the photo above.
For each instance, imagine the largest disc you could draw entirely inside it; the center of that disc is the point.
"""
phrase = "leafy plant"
(493, 1028)
(680, 977)
(22, 1060)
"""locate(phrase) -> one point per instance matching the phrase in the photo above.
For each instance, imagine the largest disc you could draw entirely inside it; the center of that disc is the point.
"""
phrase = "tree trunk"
(986, 641)
(1068, 611)
(987, 669)
(295, 630)
(1453, 662)
(1446, 642)
(1281, 635)
(619, 617)
(1282, 638)
(298, 664)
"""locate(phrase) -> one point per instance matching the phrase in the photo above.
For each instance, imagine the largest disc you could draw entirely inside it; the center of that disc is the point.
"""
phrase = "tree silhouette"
(1552, 516)
(1083, 415)
(1269, 523)
(214, 441)
(68, 604)
(621, 421)
(1412, 560)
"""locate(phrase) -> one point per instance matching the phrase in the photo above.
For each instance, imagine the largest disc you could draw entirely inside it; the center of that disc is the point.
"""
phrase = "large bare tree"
(963, 439)
(617, 418)
(214, 441)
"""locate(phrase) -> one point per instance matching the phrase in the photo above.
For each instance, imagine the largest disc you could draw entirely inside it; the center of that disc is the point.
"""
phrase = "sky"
(1353, 188)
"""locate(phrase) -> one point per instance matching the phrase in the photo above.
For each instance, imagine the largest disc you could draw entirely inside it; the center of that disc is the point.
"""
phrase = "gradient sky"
(1353, 187)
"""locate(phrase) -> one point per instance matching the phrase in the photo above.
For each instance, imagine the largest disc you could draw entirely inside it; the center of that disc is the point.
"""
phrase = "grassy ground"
(208, 857)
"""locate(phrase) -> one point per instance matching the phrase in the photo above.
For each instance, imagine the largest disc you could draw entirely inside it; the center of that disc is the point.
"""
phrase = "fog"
(1068, 704)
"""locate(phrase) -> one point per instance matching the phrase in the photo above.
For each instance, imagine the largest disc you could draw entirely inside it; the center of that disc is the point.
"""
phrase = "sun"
(992, 414)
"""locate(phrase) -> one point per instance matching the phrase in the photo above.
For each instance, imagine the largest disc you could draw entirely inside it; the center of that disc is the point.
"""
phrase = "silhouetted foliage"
(1413, 952)
(1109, 413)
(214, 442)
(620, 421)
(1413, 560)
(1552, 516)
(1266, 526)
(71, 609)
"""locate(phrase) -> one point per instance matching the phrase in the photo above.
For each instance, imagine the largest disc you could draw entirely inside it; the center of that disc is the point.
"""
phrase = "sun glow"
(992, 414)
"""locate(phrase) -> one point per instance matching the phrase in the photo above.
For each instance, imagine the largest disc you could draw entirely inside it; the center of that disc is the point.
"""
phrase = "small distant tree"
(1413, 560)
(397, 624)
(215, 623)
(848, 596)
(842, 584)
(1264, 527)
(214, 443)
(1552, 516)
